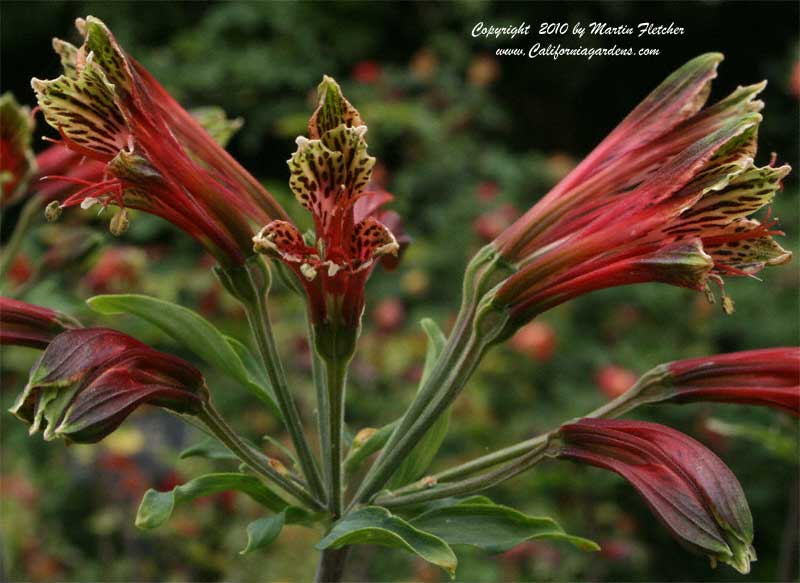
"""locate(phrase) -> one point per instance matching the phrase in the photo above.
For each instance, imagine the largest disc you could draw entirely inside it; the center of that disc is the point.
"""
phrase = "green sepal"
(156, 507)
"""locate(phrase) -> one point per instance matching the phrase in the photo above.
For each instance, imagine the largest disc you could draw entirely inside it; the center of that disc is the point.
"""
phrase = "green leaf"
(263, 532)
(377, 526)
(422, 455)
(492, 527)
(157, 507)
(190, 330)
(208, 448)
(436, 342)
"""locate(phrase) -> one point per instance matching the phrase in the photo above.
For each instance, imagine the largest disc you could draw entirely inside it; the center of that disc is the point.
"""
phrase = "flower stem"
(461, 355)
(249, 284)
(336, 375)
(262, 331)
(256, 462)
(468, 485)
(31, 208)
(648, 389)
(331, 565)
(323, 407)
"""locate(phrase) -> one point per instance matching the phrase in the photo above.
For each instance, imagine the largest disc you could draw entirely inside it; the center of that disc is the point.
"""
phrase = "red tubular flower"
(768, 377)
(157, 157)
(329, 175)
(665, 197)
(24, 324)
(89, 380)
(17, 163)
(691, 491)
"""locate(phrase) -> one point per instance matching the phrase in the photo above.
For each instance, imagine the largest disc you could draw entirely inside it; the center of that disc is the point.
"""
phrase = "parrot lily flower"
(770, 377)
(89, 380)
(17, 163)
(24, 324)
(691, 491)
(329, 174)
(665, 197)
(157, 157)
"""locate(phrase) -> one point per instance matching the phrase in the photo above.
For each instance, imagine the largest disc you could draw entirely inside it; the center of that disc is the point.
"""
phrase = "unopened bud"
(119, 223)
(52, 211)
(278, 466)
(363, 436)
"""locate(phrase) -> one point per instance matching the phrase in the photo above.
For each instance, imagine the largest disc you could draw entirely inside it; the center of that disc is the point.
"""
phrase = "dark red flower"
(89, 380)
(330, 172)
(690, 489)
(665, 197)
(24, 324)
(768, 377)
(17, 163)
(156, 156)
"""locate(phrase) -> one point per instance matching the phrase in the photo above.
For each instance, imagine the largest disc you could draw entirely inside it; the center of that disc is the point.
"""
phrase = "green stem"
(262, 331)
(331, 565)
(255, 461)
(323, 407)
(336, 374)
(459, 358)
(650, 388)
(31, 208)
(468, 485)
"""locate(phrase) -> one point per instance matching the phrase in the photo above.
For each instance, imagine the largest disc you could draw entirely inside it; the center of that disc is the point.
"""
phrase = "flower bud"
(768, 377)
(691, 491)
(89, 380)
(24, 324)
(52, 212)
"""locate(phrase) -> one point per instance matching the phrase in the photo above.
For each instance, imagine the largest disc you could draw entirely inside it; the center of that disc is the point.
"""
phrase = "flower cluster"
(89, 380)
(330, 175)
(665, 197)
(689, 488)
(156, 156)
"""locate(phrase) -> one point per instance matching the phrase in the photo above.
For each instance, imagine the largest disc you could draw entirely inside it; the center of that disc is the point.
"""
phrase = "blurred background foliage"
(466, 141)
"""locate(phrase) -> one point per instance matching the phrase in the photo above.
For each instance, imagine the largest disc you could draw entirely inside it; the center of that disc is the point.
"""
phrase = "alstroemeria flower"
(17, 163)
(665, 197)
(329, 174)
(89, 380)
(770, 377)
(157, 157)
(690, 490)
(24, 324)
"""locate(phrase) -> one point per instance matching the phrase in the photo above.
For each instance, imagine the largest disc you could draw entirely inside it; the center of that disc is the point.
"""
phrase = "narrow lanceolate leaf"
(210, 449)
(492, 527)
(422, 455)
(157, 507)
(378, 526)
(189, 329)
(263, 532)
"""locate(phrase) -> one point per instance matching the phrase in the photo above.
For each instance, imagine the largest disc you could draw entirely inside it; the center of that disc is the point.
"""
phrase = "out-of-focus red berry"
(20, 270)
(389, 315)
(366, 72)
(489, 225)
(487, 191)
(614, 380)
(536, 340)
